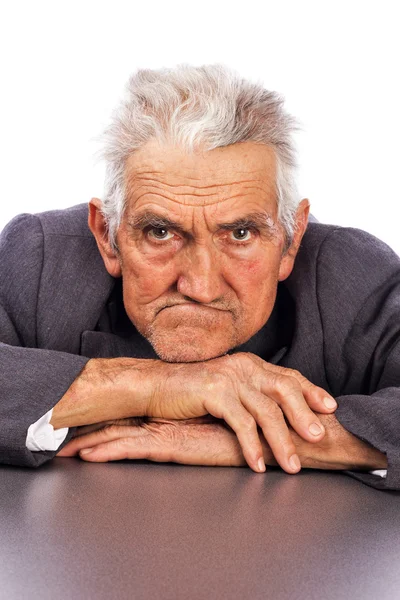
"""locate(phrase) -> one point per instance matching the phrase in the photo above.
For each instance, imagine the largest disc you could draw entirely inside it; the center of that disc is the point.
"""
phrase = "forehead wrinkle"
(134, 182)
(150, 179)
(133, 178)
(181, 202)
(185, 198)
(178, 193)
(243, 159)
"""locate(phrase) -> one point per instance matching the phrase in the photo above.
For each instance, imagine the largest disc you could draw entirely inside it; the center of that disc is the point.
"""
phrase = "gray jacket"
(336, 319)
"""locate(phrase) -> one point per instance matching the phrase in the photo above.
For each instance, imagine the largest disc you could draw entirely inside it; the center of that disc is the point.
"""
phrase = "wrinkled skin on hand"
(247, 392)
(210, 441)
(198, 441)
(257, 400)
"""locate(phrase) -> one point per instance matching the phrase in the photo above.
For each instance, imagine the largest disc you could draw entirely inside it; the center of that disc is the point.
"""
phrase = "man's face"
(200, 249)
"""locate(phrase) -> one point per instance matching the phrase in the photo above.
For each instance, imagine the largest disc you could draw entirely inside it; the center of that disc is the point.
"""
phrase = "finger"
(89, 440)
(118, 449)
(212, 445)
(72, 447)
(67, 451)
(315, 396)
(287, 394)
(245, 427)
(270, 418)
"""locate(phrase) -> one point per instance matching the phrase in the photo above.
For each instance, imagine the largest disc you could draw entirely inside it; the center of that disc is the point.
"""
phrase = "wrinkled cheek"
(254, 273)
(256, 284)
(146, 282)
(252, 268)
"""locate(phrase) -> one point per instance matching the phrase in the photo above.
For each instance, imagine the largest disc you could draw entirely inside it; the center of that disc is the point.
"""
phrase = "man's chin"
(187, 355)
(179, 349)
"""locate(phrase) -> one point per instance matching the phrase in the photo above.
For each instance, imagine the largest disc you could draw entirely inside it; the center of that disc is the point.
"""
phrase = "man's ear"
(301, 222)
(98, 227)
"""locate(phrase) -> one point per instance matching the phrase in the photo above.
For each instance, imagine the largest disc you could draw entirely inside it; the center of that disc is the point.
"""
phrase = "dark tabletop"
(136, 529)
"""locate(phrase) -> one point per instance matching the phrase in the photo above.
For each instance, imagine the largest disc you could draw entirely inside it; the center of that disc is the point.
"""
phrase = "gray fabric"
(336, 320)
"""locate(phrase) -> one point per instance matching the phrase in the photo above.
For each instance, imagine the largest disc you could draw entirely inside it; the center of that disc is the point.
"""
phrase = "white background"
(64, 66)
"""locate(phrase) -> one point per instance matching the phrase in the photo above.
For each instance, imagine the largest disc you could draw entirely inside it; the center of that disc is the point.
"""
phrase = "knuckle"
(283, 444)
(116, 447)
(248, 361)
(124, 445)
(247, 424)
(245, 356)
(301, 379)
(216, 382)
(303, 414)
(294, 373)
(148, 451)
(270, 412)
(287, 385)
(241, 362)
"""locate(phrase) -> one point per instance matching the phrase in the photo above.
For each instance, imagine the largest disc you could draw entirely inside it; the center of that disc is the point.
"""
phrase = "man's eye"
(160, 233)
(241, 234)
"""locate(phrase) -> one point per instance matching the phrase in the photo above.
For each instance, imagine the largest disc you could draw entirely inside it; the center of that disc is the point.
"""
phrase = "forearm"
(106, 389)
(338, 450)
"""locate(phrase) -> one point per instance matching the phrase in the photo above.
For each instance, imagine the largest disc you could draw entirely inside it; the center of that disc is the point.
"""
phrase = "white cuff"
(379, 472)
(42, 436)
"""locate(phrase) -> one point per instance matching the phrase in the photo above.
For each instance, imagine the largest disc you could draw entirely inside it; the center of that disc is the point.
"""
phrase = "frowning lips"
(191, 305)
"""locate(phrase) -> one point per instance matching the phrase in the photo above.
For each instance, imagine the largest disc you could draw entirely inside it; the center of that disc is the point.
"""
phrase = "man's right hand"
(242, 389)
(245, 391)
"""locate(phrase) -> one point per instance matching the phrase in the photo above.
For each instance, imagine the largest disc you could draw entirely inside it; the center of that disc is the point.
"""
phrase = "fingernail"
(261, 465)
(294, 462)
(330, 402)
(86, 451)
(315, 429)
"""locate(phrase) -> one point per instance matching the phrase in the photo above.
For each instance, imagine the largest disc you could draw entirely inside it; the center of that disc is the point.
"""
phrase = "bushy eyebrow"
(262, 221)
(150, 219)
(258, 220)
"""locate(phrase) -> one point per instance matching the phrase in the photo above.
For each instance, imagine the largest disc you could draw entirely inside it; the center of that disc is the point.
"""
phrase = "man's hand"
(242, 389)
(339, 450)
(209, 441)
(245, 391)
(200, 441)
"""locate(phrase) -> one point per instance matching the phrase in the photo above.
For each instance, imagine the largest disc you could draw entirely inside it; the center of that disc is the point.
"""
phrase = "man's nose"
(200, 276)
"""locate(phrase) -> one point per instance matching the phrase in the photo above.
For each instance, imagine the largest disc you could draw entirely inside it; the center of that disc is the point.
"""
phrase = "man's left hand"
(210, 441)
(199, 441)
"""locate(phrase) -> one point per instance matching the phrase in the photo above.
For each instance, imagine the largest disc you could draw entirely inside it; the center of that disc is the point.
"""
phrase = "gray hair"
(209, 106)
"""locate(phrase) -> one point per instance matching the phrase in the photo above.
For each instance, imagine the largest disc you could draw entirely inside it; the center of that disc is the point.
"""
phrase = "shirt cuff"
(379, 472)
(42, 436)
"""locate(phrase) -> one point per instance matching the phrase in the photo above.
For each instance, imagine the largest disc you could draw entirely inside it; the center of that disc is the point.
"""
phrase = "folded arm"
(339, 450)
(210, 441)
(362, 349)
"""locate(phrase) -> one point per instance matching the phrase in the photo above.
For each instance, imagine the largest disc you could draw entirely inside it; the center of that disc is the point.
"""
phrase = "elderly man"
(197, 314)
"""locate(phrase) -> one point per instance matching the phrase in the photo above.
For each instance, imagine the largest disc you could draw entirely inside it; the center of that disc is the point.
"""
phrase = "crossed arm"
(209, 441)
(256, 408)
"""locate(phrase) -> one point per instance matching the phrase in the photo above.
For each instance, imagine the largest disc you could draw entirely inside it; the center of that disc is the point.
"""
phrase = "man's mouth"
(191, 306)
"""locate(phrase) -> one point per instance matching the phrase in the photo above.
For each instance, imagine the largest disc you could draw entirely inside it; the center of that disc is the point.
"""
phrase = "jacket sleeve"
(32, 380)
(359, 297)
